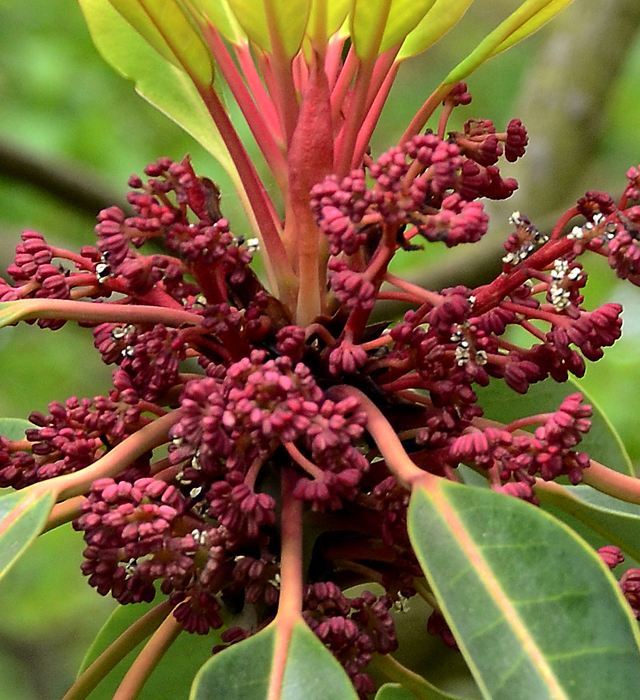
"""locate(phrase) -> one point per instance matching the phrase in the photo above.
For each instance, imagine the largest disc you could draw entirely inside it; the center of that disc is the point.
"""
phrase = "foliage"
(266, 447)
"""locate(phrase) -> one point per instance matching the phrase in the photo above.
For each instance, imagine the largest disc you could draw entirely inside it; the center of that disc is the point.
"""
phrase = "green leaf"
(245, 671)
(13, 428)
(173, 675)
(602, 443)
(377, 25)
(265, 21)
(532, 25)
(436, 23)
(162, 84)
(219, 15)
(404, 16)
(534, 610)
(616, 521)
(528, 18)
(164, 26)
(411, 688)
(326, 17)
(23, 515)
(394, 691)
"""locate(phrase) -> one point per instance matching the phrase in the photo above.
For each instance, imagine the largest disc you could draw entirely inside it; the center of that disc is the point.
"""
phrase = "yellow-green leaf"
(531, 26)
(218, 14)
(326, 17)
(266, 21)
(162, 84)
(166, 28)
(529, 17)
(436, 23)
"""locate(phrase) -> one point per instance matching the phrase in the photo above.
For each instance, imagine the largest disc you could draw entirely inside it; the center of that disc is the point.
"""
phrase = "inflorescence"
(252, 392)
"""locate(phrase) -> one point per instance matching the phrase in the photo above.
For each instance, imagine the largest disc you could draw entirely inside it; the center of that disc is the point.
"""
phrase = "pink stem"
(91, 312)
(258, 92)
(148, 659)
(290, 603)
(383, 434)
(346, 141)
(625, 488)
(257, 119)
(373, 115)
(427, 109)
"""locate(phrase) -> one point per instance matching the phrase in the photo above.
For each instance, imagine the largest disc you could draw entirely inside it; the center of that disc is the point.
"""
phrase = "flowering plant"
(275, 473)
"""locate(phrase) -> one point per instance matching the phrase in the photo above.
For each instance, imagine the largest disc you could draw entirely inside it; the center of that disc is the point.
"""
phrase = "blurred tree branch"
(72, 184)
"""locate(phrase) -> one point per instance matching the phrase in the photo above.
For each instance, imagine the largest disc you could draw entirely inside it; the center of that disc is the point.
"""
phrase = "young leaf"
(162, 84)
(245, 671)
(601, 442)
(325, 18)
(378, 25)
(528, 18)
(22, 517)
(281, 21)
(163, 25)
(535, 611)
(437, 22)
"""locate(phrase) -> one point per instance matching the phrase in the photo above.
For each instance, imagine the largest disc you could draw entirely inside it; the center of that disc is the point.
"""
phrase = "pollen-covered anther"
(102, 272)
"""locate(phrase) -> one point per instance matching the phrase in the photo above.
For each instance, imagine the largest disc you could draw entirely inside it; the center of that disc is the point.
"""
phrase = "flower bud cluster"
(430, 182)
(70, 438)
(138, 533)
(254, 394)
(548, 453)
(353, 629)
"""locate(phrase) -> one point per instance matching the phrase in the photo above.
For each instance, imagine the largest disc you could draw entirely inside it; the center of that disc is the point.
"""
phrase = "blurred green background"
(72, 131)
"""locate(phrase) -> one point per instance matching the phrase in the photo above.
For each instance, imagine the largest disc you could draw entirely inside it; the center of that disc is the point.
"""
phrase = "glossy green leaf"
(164, 26)
(174, 674)
(22, 517)
(244, 671)
(162, 84)
(13, 428)
(616, 521)
(528, 18)
(535, 611)
(436, 23)
(601, 442)
(266, 20)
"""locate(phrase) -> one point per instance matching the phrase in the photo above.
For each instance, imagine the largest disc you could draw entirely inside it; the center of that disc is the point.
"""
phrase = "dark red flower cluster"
(430, 183)
(352, 628)
(196, 338)
(140, 532)
(70, 438)
(547, 453)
